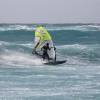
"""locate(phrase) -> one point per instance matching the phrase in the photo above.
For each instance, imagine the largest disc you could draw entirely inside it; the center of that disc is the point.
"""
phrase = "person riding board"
(42, 37)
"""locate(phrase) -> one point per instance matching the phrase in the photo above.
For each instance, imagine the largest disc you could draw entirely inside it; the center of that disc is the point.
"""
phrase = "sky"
(49, 11)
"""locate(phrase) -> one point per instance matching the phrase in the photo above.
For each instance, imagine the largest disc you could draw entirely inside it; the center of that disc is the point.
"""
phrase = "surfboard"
(55, 63)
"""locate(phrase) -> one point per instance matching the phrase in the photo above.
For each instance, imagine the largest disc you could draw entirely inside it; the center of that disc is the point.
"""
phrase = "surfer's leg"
(44, 56)
(47, 56)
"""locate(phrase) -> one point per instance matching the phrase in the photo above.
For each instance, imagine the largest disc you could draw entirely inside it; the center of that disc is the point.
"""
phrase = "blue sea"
(24, 77)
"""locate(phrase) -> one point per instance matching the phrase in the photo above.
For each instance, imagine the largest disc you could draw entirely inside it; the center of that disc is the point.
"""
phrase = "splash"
(15, 58)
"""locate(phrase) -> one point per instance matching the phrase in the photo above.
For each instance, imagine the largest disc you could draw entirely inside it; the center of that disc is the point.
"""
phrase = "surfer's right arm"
(37, 42)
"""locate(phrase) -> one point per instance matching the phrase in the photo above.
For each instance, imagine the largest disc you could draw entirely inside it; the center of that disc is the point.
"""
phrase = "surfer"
(42, 37)
(44, 46)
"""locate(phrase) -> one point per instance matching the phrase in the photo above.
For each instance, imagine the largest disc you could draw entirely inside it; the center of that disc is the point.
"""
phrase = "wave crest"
(51, 27)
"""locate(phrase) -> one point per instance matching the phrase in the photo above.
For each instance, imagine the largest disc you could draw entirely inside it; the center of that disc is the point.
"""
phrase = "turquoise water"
(24, 77)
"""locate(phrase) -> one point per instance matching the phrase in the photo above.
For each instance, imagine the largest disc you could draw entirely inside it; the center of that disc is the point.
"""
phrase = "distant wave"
(77, 28)
(27, 44)
(51, 27)
(16, 27)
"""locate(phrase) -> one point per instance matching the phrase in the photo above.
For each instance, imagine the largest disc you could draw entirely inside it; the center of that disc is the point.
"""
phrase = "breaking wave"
(51, 27)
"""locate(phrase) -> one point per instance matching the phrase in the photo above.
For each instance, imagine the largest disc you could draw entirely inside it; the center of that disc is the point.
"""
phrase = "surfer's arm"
(34, 49)
(37, 41)
(36, 45)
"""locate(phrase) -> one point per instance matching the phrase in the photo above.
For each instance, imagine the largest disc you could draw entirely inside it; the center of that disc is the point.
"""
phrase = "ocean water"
(24, 77)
